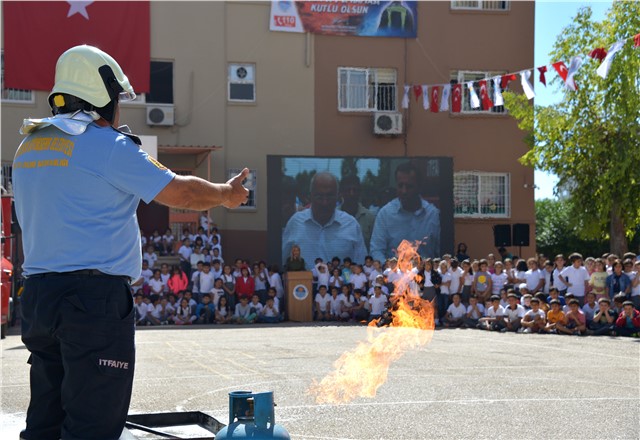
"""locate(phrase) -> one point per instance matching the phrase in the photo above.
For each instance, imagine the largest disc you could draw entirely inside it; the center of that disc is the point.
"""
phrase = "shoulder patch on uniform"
(156, 163)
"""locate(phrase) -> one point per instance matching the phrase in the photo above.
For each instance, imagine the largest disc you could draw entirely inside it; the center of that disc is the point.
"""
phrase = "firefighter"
(78, 181)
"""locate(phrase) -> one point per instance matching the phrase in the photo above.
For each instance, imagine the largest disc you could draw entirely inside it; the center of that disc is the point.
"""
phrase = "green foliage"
(591, 139)
(557, 232)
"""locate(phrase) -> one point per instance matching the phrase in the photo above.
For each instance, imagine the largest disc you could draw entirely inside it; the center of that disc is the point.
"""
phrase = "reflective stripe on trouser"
(80, 332)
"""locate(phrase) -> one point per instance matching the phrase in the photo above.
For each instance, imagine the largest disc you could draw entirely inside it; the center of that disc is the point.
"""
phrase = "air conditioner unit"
(387, 123)
(160, 114)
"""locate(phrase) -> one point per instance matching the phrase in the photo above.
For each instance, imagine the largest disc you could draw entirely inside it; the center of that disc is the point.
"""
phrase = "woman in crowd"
(295, 263)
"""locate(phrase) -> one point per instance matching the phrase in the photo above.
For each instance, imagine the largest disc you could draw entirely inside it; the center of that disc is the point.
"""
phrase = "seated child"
(512, 317)
(255, 306)
(378, 303)
(576, 322)
(555, 294)
(475, 311)
(335, 304)
(184, 314)
(205, 311)
(604, 319)
(590, 307)
(223, 311)
(243, 313)
(269, 313)
(323, 304)
(492, 315)
(164, 312)
(543, 301)
(360, 309)
(535, 319)
(628, 322)
(555, 316)
(456, 312)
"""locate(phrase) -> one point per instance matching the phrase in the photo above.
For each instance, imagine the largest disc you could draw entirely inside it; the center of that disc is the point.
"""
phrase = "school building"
(227, 92)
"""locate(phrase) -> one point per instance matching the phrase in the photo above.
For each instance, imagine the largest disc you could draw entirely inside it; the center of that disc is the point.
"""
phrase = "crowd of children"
(594, 296)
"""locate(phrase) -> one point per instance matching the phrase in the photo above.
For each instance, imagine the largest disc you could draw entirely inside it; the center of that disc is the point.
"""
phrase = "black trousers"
(80, 332)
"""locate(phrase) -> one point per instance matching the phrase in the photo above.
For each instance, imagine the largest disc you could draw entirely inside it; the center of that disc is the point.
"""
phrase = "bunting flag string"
(444, 97)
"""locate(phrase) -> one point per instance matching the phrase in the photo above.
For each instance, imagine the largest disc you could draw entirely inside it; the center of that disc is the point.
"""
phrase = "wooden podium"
(299, 296)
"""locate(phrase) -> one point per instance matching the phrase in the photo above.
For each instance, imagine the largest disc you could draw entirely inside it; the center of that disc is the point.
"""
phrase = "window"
(362, 89)
(477, 194)
(161, 83)
(242, 82)
(480, 5)
(463, 77)
(251, 184)
(15, 95)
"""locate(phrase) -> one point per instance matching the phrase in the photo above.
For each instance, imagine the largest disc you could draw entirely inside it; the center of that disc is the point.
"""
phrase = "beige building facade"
(220, 51)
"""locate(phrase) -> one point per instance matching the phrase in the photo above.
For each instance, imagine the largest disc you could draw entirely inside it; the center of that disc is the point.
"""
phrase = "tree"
(557, 233)
(591, 140)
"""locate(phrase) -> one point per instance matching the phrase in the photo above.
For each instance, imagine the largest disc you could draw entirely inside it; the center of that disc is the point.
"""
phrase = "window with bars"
(251, 184)
(478, 194)
(14, 95)
(366, 89)
(480, 5)
(463, 77)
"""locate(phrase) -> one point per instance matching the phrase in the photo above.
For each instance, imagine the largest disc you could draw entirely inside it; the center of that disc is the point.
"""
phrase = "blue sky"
(551, 18)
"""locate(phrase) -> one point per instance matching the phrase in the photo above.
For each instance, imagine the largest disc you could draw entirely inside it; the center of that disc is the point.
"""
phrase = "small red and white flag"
(417, 91)
(435, 99)
(456, 98)
(598, 53)
(506, 79)
(561, 68)
(542, 71)
(484, 95)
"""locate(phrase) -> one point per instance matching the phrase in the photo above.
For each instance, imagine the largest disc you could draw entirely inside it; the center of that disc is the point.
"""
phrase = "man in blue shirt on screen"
(407, 217)
(78, 181)
(322, 231)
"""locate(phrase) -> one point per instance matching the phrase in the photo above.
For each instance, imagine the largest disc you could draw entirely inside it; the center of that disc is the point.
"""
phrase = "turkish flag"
(636, 40)
(435, 99)
(561, 68)
(598, 53)
(456, 98)
(417, 91)
(506, 79)
(484, 95)
(37, 33)
(542, 71)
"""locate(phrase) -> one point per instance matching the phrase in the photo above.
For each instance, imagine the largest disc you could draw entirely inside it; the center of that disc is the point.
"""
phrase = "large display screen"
(358, 206)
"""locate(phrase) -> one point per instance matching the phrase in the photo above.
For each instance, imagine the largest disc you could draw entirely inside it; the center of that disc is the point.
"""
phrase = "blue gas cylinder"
(251, 415)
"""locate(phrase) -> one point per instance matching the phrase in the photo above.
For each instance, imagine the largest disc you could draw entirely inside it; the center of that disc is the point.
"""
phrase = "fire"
(360, 372)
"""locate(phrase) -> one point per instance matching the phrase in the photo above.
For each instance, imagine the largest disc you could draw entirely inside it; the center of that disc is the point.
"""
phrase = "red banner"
(37, 33)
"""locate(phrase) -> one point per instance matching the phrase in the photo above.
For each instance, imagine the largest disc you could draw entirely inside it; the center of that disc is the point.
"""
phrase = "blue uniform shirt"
(393, 224)
(341, 237)
(76, 199)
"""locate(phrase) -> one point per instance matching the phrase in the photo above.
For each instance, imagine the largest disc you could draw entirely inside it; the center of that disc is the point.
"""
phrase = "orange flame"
(360, 372)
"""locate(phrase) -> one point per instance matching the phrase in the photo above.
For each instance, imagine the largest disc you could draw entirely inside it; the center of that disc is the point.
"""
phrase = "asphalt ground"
(464, 384)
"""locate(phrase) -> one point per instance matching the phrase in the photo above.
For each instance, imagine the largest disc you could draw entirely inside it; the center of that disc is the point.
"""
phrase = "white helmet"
(92, 76)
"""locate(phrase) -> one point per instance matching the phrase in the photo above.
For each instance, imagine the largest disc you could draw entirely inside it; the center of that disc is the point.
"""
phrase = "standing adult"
(407, 217)
(322, 230)
(78, 181)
